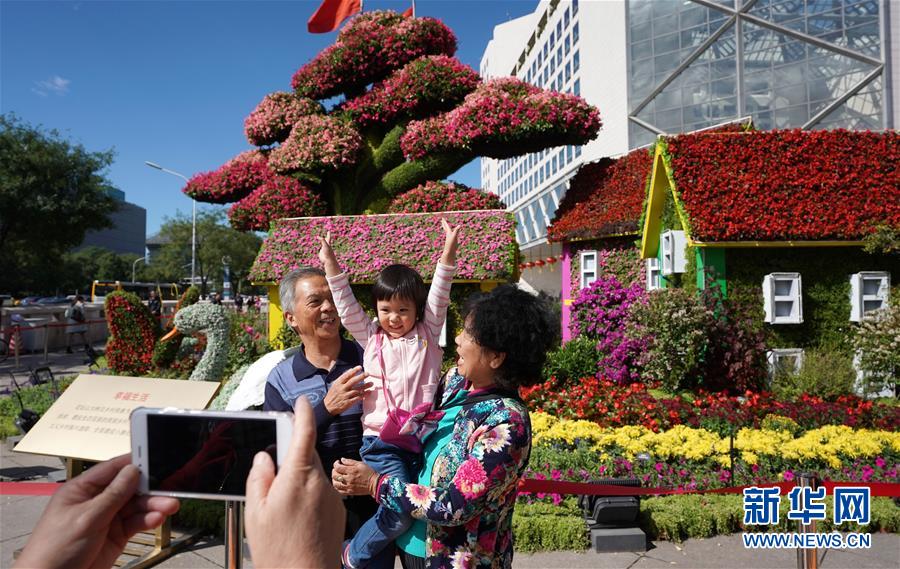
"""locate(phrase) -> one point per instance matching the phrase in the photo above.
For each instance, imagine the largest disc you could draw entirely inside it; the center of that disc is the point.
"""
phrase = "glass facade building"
(809, 64)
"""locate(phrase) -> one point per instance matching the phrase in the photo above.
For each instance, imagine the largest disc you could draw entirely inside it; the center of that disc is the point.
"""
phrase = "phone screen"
(205, 455)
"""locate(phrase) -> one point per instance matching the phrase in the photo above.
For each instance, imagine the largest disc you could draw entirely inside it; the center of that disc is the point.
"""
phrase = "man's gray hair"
(289, 282)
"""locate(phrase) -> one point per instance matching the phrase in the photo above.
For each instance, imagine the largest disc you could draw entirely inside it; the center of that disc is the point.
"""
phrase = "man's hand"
(294, 519)
(451, 237)
(326, 256)
(346, 391)
(90, 519)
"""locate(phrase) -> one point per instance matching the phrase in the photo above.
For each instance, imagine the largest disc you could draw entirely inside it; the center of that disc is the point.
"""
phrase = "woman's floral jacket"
(469, 504)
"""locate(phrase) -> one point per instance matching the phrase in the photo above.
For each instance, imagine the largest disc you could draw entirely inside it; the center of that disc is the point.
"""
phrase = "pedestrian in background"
(239, 303)
(155, 305)
(75, 321)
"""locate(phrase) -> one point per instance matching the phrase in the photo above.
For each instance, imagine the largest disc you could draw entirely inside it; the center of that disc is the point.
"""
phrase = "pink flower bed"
(444, 196)
(317, 143)
(367, 49)
(232, 181)
(504, 118)
(271, 121)
(423, 87)
(366, 244)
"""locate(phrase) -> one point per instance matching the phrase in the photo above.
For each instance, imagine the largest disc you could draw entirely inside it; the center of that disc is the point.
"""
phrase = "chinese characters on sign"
(851, 504)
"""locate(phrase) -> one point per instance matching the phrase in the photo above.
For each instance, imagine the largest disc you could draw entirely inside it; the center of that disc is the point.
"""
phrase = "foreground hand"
(354, 478)
(451, 242)
(346, 391)
(294, 519)
(90, 519)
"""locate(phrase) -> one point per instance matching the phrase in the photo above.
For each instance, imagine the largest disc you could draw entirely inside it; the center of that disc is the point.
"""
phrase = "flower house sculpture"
(365, 244)
(777, 220)
(597, 223)
(384, 110)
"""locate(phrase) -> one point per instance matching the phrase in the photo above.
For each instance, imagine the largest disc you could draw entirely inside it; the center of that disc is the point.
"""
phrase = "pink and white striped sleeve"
(438, 298)
(352, 315)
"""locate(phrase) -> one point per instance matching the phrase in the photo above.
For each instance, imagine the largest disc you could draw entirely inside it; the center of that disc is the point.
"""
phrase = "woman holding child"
(462, 498)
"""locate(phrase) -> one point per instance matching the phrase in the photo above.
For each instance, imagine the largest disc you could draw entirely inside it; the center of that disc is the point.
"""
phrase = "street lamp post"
(134, 265)
(193, 220)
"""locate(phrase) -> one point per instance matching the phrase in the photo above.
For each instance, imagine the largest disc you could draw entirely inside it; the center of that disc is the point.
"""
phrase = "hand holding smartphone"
(203, 454)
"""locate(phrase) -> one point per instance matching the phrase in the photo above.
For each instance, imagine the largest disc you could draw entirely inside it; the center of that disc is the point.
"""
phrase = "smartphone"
(204, 454)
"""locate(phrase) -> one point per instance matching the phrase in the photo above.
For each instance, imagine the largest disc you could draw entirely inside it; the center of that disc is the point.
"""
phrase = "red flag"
(330, 15)
(408, 12)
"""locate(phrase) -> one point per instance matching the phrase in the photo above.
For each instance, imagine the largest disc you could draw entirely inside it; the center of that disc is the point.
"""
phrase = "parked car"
(53, 300)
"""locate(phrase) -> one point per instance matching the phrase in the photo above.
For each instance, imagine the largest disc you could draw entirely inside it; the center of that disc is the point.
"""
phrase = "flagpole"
(414, 8)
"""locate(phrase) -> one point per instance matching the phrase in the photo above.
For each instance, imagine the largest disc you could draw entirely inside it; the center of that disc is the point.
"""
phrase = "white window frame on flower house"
(862, 378)
(588, 276)
(779, 357)
(673, 244)
(654, 279)
(783, 298)
(869, 291)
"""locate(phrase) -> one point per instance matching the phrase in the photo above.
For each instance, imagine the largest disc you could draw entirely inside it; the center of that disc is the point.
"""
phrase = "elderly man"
(328, 372)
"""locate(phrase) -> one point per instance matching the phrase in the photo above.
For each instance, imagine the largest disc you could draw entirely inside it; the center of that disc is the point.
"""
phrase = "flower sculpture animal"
(211, 320)
(411, 114)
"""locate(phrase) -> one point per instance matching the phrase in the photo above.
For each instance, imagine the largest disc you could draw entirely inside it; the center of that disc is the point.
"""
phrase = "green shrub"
(876, 342)
(205, 515)
(824, 373)
(572, 361)
(545, 527)
(677, 323)
(38, 399)
(677, 518)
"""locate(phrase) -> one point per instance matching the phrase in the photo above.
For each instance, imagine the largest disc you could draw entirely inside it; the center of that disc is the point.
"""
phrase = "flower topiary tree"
(384, 110)
(132, 334)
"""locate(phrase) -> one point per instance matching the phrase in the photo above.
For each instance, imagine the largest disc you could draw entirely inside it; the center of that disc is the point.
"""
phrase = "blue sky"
(171, 81)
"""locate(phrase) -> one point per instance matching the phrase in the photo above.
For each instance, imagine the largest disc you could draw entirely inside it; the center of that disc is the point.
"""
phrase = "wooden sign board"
(90, 420)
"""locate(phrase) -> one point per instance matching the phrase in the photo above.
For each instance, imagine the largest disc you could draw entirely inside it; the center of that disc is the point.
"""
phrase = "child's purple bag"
(402, 428)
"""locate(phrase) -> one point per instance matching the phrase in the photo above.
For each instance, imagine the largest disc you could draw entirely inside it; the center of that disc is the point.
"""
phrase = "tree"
(215, 241)
(51, 193)
(81, 268)
(408, 113)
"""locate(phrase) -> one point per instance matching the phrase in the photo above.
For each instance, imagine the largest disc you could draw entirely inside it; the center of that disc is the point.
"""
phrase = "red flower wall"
(605, 198)
(788, 184)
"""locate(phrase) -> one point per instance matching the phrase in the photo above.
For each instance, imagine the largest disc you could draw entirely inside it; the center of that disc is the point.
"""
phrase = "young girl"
(403, 358)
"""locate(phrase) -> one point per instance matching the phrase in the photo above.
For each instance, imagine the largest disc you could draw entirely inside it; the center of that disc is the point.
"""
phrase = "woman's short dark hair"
(511, 321)
(401, 282)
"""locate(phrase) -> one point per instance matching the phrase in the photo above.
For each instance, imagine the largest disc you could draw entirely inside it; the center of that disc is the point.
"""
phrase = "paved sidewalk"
(20, 513)
(59, 362)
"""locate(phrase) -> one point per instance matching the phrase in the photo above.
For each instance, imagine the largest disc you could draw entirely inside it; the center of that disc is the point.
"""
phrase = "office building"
(128, 232)
(668, 66)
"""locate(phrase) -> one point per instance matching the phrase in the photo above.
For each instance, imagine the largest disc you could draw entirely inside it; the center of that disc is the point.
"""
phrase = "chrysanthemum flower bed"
(365, 244)
(518, 115)
(690, 458)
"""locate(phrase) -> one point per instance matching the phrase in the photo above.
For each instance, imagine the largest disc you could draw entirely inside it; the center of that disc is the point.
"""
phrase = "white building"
(557, 47)
(668, 66)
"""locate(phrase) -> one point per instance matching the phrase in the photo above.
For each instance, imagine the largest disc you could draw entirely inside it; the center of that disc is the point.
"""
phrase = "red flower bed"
(132, 334)
(424, 87)
(503, 118)
(605, 198)
(612, 405)
(279, 197)
(231, 182)
(443, 196)
(787, 184)
(367, 49)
